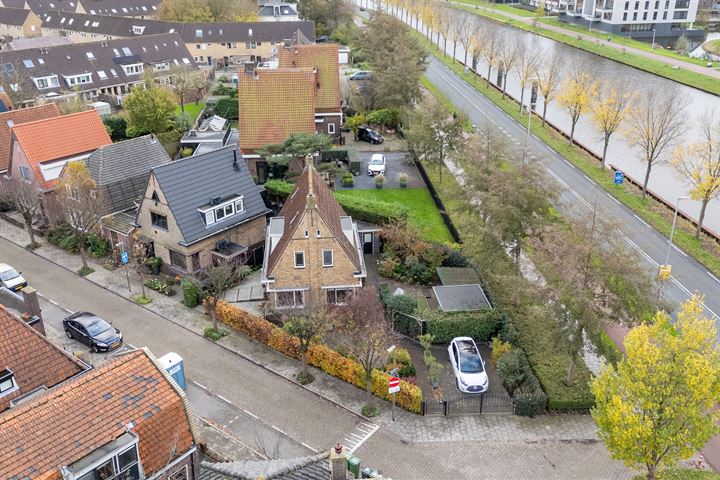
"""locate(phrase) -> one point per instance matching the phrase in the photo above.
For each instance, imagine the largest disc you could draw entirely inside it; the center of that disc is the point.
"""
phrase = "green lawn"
(422, 212)
(502, 7)
(191, 109)
(686, 77)
(705, 251)
(713, 46)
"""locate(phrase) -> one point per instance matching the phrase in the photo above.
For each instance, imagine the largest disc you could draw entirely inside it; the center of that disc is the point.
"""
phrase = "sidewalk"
(411, 428)
(710, 72)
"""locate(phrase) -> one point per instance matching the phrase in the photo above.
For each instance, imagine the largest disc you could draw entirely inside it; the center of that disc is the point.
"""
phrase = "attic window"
(7, 382)
(116, 52)
(95, 24)
(102, 74)
(126, 51)
(114, 73)
(249, 32)
(41, 61)
(198, 33)
(87, 22)
(90, 55)
(186, 61)
(28, 64)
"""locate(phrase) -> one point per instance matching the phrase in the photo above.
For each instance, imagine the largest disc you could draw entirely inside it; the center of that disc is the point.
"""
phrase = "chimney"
(32, 309)
(249, 68)
(338, 462)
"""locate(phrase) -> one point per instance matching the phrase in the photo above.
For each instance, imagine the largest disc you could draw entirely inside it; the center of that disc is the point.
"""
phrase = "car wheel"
(67, 332)
(95, 348)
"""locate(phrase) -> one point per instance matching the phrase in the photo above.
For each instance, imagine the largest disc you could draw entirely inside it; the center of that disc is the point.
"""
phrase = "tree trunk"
(182, 105)
(652, 472)
(545, 105)
(571, 372)
(605, 147)
(368, 388)
(306, 373)
(488, 75)
(572, 132)
(455, 50)
(31, 234)
(504, 85)
(81, 249)
(213, 314)
(142, 284)
(647, 177)
(522, 96)
(465, 60)
(698, 230)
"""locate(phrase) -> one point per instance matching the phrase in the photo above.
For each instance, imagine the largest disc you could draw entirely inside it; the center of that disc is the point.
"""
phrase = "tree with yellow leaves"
(699, 164)
(608, 108)
(575, 96)
(658, 406)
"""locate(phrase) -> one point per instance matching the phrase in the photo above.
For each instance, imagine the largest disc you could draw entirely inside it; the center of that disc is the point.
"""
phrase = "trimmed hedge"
(481, 325)
(331, 362)
(279, 189)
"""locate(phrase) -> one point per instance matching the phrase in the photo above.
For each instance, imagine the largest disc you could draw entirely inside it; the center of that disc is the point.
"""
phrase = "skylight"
(28, 64)
(186, 61)
(41, 61)
(115, 51)
(126, 51)
(112, 70)
(102, 75)
(96, 24)
(87, 22)
(90, 55)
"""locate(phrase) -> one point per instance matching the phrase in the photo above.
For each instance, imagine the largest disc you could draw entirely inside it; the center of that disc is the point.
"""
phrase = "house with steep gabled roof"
(313, 254)
(17, 117)
(125, 419)
(201, 210)
(40, 149)
(19, 23)
(29, 363)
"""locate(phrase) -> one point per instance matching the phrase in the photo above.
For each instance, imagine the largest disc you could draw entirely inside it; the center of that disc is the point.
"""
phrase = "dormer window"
(138, 30)
(133, 69)
(7, 382)
(114, 460)
(78, 79)
(46, 82)
(219, 210)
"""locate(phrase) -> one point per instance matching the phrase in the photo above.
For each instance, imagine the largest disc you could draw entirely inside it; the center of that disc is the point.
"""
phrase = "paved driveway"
(395, 165)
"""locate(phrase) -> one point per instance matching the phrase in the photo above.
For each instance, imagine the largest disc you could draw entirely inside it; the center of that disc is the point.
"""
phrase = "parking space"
(448, 382)
(396, 164)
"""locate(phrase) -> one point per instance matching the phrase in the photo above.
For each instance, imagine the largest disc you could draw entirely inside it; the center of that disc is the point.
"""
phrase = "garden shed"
(461, 298)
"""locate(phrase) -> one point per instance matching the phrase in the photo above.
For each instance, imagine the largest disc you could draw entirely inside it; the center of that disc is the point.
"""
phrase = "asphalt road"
(579, 191)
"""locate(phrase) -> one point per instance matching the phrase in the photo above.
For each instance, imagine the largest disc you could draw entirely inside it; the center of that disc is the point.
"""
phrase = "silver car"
(11, 278)
(468, 365)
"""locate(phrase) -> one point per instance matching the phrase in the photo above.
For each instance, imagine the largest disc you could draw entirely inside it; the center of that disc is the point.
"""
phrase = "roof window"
(7, 382)
(28, 64)
(114, 73)
(126, 51)
(41, 61)
(90, 55)
(250, 32)
(102, 74)
(87, 22)
(186, 61)
(116, 52)
(198, 33)
(95, 24)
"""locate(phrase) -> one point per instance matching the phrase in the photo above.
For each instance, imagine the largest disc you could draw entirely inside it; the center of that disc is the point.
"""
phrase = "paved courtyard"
(396, 164)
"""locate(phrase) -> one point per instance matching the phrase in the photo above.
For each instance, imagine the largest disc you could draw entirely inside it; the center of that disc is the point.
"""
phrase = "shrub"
(6, 204)
(97, 246)
(513, 370)
(400, 303)
(335, 155)
(498, 349)
(116, 126)
(162, 286)
(482, 325)
(355, 166)
(225, 91)
(531, 404)
(372, 211)
(284, 343)
(402, 180)
(379, 180)
(455, 258)
(279, 189)
(186, 152)
(608, 349)
(192, 294)
(213, 334)
(227, 108)
(348, 180)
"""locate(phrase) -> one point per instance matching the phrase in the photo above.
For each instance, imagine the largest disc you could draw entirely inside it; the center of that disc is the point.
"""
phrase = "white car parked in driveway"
(376, 164)
(468, 365)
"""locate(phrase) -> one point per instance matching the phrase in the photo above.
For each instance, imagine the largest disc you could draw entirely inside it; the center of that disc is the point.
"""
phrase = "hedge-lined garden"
(331, 362)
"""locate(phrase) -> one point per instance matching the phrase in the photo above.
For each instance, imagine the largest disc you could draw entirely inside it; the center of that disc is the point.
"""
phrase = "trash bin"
(368, 472)
(173, 363)
(353, 466)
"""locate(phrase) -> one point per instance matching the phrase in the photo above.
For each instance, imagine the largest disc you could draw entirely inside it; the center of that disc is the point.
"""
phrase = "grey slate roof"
(100, 7)
(37, 42)
(122, 169)
(93, 57)
(190, 183)
(13, 16)
(304, 468)
(461, 298)
(211, 32)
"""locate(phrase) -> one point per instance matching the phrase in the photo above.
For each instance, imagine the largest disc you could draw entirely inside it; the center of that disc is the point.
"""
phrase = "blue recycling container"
(173, 363)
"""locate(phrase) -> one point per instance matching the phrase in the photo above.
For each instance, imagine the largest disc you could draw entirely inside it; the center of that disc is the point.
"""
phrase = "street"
(579, 191)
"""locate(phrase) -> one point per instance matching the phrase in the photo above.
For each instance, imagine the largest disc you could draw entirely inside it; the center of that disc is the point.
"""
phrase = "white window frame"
(50, 81)
(331, 128)
(332, 258)
(81, 79)
(295, 260)
(182, 471)
(133, 69)
(113, 457)
(210, 214)
(13, 384)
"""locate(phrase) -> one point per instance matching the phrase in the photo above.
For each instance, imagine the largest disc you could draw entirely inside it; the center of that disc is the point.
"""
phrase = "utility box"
(353, 466)
(368, 472)
(173, 363)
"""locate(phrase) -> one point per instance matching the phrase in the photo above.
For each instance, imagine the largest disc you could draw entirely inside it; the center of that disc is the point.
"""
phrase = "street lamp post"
(652, 47)
(672, 229)
(527, 134)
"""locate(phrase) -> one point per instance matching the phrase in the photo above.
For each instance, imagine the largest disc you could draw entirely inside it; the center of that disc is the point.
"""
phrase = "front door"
(209, 60)
(262, 171)
(367, 243)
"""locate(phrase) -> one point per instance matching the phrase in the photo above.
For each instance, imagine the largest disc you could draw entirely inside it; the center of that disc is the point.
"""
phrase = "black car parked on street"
(367, 134)
(93, 331)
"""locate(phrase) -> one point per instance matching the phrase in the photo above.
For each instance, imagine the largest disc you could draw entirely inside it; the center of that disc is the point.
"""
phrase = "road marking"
(251, 414)
(589, 179)
(551, 149)
(566, 161)
(613, 198)
(713, 277)
(366, 430)
(642, 221)
(55, 303)
(224, 399)
(681, 252)
(279, 430)
(236, 417)
(200, 385)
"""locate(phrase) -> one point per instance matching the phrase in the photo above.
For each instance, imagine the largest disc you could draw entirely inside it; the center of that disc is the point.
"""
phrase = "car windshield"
(9, 274)
(471, 364)
(97, 327)
(376, 161)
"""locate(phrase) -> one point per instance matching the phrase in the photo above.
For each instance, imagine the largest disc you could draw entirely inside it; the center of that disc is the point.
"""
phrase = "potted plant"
(154, 264)
(435, 370)
(379, 180)
(402, 179)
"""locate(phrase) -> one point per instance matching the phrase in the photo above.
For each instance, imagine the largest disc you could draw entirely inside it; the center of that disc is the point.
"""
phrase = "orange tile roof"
(326, 206)
(24, 115)
(324, 57)
(5, 98)
(273, 104)
(76, 418)
(60, 137)
(34, 360)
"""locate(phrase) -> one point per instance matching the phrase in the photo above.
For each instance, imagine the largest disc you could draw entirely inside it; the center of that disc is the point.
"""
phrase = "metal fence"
(408, 325)
(469, 405)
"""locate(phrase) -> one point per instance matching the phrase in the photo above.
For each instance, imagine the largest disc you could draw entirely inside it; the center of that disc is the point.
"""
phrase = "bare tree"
(526, 68)
(609, 105)
(699, 163)
(185, 83)
(78, 198)
(309, 326)
(459, 31)
(16, 84)
(658, 122)
(218, 279)
(549, 75)
(476, 39)
(366, 334)
(491, 50)
(139, 255)
(443, 21)
(27, 200)
(509, 55)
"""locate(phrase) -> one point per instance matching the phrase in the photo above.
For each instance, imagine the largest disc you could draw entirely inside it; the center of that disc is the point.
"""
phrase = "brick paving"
(412, 447)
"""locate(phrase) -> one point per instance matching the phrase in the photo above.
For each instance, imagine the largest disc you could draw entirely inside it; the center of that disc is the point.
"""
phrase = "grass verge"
(686, 77)
(142, 300)
(705, 250)
(422, 212)
(191, 109)
(683, 474)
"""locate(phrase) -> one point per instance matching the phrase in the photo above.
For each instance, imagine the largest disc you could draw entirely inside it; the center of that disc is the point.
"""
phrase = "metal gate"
(470, 405)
